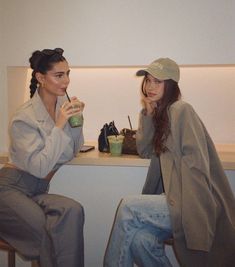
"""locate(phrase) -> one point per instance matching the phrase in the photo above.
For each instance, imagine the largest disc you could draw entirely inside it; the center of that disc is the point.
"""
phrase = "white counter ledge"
(97, 158)
(226, 154)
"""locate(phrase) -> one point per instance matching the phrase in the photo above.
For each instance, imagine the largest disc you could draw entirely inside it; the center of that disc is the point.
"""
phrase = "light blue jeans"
(141, 225)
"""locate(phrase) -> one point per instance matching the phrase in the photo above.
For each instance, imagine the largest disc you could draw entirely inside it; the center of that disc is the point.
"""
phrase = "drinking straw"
(129, 121)
(67, 96)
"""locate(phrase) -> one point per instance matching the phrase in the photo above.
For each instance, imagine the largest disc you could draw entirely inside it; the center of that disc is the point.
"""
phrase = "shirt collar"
(40, 110)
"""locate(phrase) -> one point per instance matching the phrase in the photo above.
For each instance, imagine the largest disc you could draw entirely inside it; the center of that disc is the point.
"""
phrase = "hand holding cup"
(76, 120)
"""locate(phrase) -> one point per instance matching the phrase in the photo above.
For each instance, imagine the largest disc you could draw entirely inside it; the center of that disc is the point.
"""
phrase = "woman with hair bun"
(39, 225)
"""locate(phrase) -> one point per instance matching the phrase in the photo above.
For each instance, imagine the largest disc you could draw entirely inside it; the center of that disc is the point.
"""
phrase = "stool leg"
(11, 259)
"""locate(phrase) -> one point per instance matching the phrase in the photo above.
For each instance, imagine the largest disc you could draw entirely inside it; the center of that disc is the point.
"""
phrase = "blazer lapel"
(42, 116)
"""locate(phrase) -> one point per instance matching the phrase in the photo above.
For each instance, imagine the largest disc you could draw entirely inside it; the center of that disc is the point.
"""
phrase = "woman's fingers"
(67, 109)
(72, 108)
(148, 105)
(78, 104)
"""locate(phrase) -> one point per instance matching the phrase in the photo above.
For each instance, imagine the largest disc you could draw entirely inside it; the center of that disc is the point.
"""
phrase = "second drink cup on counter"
(115, 144)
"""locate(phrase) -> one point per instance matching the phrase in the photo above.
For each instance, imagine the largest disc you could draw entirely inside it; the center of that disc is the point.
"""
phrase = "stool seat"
(11, 254)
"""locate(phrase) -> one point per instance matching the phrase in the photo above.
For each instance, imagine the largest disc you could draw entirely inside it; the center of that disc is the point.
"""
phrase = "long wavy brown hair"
(160, 118)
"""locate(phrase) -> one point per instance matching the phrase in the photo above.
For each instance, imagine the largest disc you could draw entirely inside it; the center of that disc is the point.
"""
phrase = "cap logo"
(159, 65)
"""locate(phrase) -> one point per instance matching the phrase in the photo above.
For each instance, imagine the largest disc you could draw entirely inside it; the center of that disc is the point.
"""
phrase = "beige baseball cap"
(162, 69)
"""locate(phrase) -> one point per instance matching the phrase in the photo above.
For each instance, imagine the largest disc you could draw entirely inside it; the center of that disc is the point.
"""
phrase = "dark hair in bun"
(42, 61)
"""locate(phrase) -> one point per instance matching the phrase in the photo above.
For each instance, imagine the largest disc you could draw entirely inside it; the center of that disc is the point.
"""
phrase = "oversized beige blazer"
(36, 144)
(201, 203)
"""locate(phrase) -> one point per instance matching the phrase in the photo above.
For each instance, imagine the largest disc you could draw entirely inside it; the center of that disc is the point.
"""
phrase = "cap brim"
(141, 73)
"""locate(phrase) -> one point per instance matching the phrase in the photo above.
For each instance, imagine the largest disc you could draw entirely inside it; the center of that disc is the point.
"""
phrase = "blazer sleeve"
(144, 136)
(198, 204)
(78, 138)
(31, 152)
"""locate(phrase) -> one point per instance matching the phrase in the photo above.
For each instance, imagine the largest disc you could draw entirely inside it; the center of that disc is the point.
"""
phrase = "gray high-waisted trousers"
(40, 226)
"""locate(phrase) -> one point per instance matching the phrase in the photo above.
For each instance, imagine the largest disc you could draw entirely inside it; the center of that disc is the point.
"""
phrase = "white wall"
(114, 93)
(124, 32)
(110, 32)
(3, 92)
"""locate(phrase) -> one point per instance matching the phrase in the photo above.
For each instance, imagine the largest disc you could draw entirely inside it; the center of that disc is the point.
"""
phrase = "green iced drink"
(76, 120)
(115, 144)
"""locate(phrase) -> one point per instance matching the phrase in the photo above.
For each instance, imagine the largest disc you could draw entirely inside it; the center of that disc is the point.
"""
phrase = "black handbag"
(108, 129)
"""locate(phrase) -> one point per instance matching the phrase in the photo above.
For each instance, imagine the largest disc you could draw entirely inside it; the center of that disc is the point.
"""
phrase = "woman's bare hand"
(77, 103)
(67, 110)
(148, 105)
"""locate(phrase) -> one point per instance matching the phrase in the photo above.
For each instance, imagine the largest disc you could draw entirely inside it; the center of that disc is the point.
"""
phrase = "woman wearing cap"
(186, 194)
(42, 226)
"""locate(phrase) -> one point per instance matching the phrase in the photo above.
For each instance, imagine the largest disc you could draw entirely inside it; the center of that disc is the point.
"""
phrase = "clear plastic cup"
(115, 144)
(76, 120)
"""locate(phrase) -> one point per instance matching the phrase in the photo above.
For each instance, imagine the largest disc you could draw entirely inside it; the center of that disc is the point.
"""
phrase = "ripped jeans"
(141, 225)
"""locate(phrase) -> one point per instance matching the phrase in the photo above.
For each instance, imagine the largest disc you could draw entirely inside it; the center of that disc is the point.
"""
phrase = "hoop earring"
(41, 85)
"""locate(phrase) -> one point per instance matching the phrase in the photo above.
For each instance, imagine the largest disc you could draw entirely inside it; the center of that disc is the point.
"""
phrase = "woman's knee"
(75, 209)
(125, 208)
